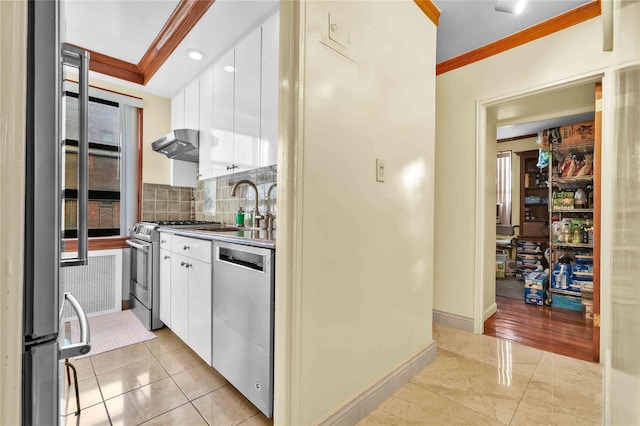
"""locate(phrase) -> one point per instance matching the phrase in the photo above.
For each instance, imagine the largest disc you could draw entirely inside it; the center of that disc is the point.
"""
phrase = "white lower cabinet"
(190, 301)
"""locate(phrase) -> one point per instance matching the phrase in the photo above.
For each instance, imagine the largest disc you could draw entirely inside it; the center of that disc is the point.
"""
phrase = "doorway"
(507, 317)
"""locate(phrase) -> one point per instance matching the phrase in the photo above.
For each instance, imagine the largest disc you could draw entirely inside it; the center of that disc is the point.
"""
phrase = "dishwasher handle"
(242, 258)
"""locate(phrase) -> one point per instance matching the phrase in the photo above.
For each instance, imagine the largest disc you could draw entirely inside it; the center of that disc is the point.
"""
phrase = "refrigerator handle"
(79, 58)
(84, 345)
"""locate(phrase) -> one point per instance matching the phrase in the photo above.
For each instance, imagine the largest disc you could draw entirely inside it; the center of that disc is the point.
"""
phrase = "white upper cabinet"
(269, 91)
(183, 173)
(206, 125)
(246, 121)
(222, 143)
(192, 105)
(239, 105)
(177, 111)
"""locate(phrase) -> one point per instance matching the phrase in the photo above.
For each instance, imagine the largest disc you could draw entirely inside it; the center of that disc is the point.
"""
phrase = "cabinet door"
(206, 125)
(269, 92)
(177, 111)
(246, 142)
(192, 105)
(180, 296)
(165, 287)
(200, 276)
(222, 138)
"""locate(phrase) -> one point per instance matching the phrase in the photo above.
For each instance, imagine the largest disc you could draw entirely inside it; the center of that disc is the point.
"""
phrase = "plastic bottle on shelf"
(576, 236)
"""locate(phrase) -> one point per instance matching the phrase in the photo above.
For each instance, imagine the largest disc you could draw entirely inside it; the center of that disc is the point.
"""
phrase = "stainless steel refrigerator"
(44, 347)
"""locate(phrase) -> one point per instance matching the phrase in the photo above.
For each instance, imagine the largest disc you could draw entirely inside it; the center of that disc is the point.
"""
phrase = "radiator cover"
(97, 286)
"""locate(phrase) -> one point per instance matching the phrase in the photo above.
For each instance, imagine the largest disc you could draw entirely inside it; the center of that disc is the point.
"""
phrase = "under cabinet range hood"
(180, 144)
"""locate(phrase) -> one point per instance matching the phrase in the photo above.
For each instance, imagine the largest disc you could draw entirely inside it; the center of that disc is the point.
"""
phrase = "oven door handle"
(144, 248)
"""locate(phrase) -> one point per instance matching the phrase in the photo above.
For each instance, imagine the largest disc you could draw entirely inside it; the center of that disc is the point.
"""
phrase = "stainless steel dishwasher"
(243, 298)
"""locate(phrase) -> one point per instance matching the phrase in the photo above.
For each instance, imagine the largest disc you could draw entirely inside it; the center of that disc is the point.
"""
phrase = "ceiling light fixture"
(510, 6)
(195, 54)
(229, 68)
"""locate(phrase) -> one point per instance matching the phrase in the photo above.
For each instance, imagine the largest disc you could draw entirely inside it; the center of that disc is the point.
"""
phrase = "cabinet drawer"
(165, 240)
(192, 247)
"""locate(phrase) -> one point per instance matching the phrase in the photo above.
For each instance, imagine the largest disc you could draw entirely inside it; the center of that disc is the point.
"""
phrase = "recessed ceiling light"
(229, 68)
(195, 54)
(510, 6)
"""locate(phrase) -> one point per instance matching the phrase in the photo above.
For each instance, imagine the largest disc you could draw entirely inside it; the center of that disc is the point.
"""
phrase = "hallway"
(482, 380)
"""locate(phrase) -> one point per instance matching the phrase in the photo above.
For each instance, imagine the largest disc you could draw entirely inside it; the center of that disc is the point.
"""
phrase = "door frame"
(484, 228)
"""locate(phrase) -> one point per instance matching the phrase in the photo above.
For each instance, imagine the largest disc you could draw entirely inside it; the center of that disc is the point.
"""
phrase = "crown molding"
(543, 29)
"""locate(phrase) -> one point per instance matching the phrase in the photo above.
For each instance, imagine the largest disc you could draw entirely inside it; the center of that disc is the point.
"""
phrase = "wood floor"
(557, 330)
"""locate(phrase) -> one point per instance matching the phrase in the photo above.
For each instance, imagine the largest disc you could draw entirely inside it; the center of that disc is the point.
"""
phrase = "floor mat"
(111, 331)
(510, 287)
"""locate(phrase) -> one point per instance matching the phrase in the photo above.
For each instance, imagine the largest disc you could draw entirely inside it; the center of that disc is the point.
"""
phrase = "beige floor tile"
(582, 377)
(493, 392)
(117, 358)
(442, 333)
(199, 381)
(547, 404)
(165, 342)
(185, 415)
(225, 406)
(498, 352)
(95, 415)
(382, 418)
(414, 404)
(129, 377)
(84, 368)
(145, 403)
(89, 395)
(179, 360)
(257, 420)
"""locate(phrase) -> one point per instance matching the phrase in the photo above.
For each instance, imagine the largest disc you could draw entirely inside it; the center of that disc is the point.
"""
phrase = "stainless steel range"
(144, 257)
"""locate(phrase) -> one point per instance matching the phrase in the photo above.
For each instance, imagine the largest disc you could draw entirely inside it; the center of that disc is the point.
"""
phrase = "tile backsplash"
(214, 200)
(164, 202)
(211, 199)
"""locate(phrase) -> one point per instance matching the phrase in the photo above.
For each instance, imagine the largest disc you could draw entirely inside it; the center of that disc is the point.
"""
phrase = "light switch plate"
(380, 170)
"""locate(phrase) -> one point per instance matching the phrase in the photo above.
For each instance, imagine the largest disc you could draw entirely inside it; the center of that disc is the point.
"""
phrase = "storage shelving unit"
(534, 216)
(572, 229)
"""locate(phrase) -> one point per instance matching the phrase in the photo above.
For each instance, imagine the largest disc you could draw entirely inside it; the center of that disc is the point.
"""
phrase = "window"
(112, 166)
(503, 188)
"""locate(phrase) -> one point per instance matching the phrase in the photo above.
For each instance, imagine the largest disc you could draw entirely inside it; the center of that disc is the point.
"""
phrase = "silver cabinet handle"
(186, 247)
(182, 263)
(167, 256)
(188, 265)
(84, 345)
(163, 241)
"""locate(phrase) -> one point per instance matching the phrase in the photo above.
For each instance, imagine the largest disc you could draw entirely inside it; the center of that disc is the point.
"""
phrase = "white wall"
(13, 30)
(362, 295)
(569, 54)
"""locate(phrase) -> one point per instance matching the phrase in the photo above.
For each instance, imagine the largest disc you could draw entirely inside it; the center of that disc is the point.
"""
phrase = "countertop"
(249, 236)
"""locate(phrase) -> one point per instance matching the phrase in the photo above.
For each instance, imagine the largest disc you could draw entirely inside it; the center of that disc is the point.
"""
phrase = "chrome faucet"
(269, 217)
(257, 217)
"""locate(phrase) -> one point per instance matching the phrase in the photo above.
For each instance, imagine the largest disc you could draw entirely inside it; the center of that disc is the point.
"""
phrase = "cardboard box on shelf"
(563, 200)
(576, 133)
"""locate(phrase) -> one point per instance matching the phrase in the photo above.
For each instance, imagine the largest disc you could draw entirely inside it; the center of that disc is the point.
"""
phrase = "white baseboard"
(453, 320)
(361, 405)
(489, 311)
